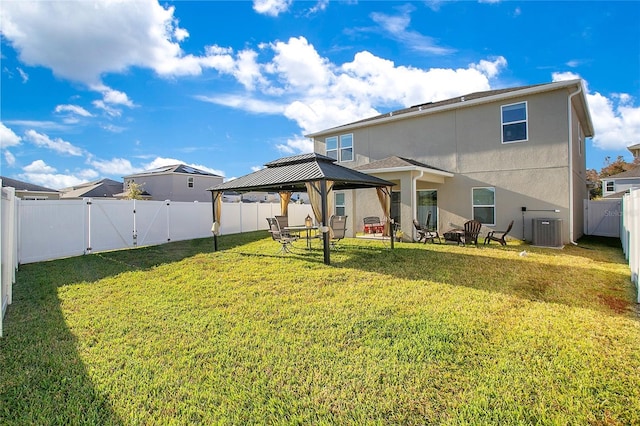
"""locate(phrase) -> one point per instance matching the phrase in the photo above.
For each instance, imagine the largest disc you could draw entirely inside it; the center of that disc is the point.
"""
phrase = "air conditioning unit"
(547, 232)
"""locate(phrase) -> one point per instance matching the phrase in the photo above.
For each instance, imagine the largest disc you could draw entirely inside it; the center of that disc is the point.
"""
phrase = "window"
(580, 139)
(332, 147)
(611, 187)
(190, 182)
(340, 207)
(514, 122)
(346, 147)
(484, 205)
(340, 148)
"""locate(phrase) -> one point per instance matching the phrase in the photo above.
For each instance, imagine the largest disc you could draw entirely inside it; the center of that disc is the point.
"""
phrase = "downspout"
(570, 116)
(414, 190)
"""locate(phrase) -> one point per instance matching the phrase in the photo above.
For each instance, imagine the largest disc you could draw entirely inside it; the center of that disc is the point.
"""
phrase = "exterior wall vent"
(547, 232)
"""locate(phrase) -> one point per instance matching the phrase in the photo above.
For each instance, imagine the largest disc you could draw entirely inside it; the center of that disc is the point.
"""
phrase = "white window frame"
(508, 123)
(190, 182)
(342, 205)
(613, 185)
(473, 206)
(338, 153)
(348, 148)
(580, 138)
(329, 151)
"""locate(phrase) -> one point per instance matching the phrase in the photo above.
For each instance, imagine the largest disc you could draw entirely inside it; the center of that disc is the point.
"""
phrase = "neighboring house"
(635, 150)
(496, 156)
(260, 197)
(615, 186)
(103, 188)
(176, 183)
(29, 191)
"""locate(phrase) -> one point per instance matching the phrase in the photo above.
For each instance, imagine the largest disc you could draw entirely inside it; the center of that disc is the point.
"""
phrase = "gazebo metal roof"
(291, 174)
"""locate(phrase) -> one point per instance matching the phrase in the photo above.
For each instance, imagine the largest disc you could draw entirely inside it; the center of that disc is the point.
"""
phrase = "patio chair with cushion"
(491, 236)
(278, 235)
(338, 225)
(471, 232)
(372, 225)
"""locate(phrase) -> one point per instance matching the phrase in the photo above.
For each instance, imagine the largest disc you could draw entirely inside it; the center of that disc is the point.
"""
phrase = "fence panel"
(152, 222)
(631, 235)
(110, 224)
(190, 220)
(8, 249)
(51, 229)
(602, 217)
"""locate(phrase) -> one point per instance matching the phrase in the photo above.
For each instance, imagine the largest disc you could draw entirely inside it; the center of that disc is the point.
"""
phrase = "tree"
(134, 192)
(610, 168)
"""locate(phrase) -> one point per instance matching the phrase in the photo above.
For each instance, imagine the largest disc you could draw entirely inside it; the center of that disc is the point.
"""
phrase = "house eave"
(462, 104)
(408, 169)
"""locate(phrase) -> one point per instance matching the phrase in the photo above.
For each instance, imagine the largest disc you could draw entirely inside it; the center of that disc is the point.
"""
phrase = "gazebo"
(313, 173)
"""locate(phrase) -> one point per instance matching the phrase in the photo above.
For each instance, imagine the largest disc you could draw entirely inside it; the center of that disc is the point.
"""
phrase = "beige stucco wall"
(467, 142)
(174, 186)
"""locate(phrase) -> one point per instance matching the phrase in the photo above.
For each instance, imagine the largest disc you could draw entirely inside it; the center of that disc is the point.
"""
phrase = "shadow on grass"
(528, 277)
(42, 378)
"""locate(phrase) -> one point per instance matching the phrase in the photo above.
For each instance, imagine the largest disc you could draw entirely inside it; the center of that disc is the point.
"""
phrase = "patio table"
(456, 235)
(299, 228)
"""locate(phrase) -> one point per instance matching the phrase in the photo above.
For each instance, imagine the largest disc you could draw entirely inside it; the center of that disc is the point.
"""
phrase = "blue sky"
(109, 88)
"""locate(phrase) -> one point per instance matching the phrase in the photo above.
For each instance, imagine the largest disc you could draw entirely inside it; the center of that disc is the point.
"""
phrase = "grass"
(178, 334)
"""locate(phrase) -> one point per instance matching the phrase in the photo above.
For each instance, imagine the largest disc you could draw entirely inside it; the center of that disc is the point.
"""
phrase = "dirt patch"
(616, 304)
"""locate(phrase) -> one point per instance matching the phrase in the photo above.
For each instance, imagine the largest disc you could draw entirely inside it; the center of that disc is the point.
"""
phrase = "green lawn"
(178, 334)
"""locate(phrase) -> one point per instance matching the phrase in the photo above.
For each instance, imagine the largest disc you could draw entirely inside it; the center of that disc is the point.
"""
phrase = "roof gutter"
(570, 147)
(408, 169)
(384, 118)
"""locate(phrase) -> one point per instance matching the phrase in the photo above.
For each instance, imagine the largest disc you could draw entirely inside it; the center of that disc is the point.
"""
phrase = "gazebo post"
(214, 195)
(325, 234)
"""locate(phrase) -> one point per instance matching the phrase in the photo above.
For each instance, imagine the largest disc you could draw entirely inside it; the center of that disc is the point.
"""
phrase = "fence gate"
(602, 217)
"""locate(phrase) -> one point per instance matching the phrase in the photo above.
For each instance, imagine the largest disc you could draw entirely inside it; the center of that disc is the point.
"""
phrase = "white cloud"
(74, 109)
(7, 137)
(299, 144)
(115, 166)
(397, 26)
(316, 93)
(245, 103)
(9, 158)
(23, 75)
(490, 68)
(57, 145)
(39, 166)
(616, 120)
(271, 7)
(82, 40)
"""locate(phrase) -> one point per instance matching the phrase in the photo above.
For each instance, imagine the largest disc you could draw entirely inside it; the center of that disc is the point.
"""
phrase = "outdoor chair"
(372, 225)
(430, 233)
(285, 240)
(338, 225)
(471, 232)
(491, 236)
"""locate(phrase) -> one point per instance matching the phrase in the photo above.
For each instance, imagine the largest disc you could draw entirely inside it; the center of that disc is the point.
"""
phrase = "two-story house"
(176, 183)
(615, 186)
(495, 156)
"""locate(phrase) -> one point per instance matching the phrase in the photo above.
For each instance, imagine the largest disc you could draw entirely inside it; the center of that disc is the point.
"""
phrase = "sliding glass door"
(427, 201)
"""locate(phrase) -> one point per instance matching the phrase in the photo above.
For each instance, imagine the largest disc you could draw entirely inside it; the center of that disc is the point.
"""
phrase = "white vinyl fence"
(602, 217)
(631, 234)
(53, 229)
(8, 249)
